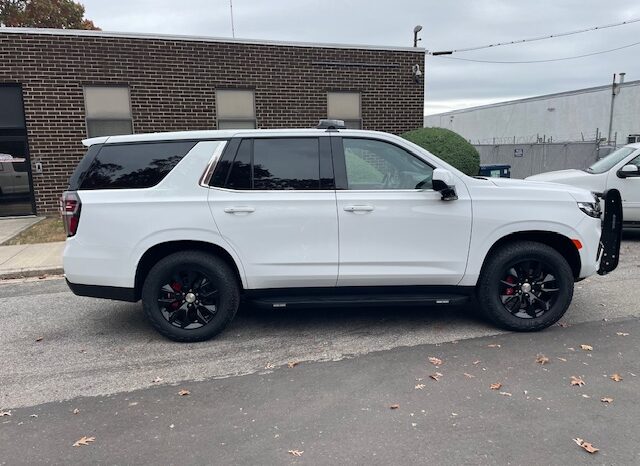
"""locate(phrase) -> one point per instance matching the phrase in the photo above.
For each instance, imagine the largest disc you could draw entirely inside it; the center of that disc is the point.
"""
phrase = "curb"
(26, 273)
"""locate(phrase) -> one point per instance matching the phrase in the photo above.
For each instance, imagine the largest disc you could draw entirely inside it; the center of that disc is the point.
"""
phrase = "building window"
(108, 110)
(345, 106)
(235, 109)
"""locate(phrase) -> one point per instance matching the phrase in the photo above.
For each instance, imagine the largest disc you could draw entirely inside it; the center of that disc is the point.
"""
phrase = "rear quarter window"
(130, 166)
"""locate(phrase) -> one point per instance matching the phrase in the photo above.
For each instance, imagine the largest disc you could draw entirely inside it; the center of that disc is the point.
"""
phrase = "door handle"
(235, 210)
(358, 208)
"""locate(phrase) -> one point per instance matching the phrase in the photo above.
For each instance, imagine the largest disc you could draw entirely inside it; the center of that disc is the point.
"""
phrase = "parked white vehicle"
(14, 178)
(619, 170)
(193, 222)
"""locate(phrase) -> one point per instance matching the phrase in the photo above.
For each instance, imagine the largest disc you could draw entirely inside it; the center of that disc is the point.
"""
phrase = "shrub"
(449, 146)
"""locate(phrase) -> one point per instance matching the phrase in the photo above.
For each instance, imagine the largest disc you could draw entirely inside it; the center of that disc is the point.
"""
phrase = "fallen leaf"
(292, 364)
(295, 452)
(586, 445)
(76, 411)
(42, 277)
(561, 359)
(470, 376)
(586, 347)
(436, 376)
(616, 377)
(475, 363)
(33, 415)
(562, 324)
(542, 359)
(622, 334)
(5, 413)
(184, 392)
(584, 395)
(413, 424)
(606, 399)
(576, 381)
(270, 365)
(495, 386)
(493, 345)
(171, 426)
(84, 441)
(157, 380)
(420, 386)
(505, 393)
(395, 406)
(39, 338)
(435, 361)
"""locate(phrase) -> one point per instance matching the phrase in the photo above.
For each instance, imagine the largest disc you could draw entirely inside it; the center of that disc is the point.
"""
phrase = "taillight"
(70, 209)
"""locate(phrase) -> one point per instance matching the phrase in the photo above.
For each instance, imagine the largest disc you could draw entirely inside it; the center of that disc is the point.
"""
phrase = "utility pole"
(615, 89)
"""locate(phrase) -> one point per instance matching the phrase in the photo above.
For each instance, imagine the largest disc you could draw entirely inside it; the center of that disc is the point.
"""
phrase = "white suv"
(194, 222)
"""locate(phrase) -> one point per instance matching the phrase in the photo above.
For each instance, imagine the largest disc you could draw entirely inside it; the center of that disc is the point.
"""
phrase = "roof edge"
(179, 37)
(585, 90)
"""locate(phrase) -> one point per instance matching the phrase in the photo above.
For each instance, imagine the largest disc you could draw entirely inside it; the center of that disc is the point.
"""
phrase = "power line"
(546, 60)
(533, 39)
(542, 61)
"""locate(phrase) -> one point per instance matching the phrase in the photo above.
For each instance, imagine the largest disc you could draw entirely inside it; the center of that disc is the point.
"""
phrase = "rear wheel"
(190, 296)
(525, 286)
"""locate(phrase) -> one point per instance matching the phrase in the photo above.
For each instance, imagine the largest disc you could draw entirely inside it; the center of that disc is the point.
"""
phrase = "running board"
(358, 300)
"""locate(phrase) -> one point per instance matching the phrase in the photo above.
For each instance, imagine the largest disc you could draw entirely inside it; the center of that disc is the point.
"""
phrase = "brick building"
(58, 87)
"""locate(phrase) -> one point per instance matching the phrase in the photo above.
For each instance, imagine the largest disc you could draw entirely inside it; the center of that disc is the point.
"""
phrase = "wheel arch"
(152, 255)
(557, 241)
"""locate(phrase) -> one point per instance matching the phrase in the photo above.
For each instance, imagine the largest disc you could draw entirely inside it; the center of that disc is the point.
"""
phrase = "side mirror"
(628, 170)
(443, 182)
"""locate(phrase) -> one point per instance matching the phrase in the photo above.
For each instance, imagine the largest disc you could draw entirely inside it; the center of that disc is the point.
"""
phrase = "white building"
(566, 116)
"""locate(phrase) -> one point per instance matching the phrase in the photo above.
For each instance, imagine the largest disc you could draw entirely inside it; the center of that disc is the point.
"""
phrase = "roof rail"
(331, 125)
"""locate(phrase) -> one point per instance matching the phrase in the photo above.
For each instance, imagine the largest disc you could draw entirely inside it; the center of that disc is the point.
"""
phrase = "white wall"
(574, 114)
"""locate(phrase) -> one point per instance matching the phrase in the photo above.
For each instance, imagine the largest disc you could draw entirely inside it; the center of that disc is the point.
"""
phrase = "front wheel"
(525, 286)
(190, 296)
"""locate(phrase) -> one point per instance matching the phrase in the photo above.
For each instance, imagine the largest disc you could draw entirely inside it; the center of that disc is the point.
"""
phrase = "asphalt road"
(340, 412)
(95, 347)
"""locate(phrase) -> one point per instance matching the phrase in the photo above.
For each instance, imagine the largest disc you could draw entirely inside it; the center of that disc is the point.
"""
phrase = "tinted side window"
(291, 163)
(85, 163)
(373, 164)
(121, 166)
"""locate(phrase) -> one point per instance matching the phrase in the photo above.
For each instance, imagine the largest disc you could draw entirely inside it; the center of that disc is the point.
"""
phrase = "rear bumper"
(105, 292)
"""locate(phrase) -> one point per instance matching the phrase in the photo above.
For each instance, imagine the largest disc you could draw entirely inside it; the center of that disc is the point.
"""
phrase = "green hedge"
(449, 146)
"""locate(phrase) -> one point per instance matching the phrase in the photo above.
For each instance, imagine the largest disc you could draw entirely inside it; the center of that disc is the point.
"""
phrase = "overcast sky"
(447, 25)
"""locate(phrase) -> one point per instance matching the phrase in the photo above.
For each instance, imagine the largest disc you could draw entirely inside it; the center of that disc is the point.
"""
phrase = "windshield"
(611, 160)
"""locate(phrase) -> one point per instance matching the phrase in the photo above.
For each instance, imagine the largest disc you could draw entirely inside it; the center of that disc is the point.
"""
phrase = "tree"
(59, 14)
(449, 146)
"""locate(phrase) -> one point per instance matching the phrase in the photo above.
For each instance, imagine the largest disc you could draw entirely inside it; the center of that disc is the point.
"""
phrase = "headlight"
(592, 209)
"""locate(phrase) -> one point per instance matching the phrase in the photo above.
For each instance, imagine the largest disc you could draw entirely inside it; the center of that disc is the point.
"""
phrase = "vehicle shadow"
(129, 322)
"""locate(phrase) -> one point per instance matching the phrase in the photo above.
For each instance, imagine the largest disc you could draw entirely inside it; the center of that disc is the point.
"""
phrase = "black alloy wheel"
(191, 295)
(525, 286)
(188, 299)
(529, 289)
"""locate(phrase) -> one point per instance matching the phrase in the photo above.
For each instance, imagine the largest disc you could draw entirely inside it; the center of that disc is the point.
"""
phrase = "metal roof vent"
(331, 125)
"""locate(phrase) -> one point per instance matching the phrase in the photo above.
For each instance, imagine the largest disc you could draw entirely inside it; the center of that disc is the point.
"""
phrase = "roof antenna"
(233, 29)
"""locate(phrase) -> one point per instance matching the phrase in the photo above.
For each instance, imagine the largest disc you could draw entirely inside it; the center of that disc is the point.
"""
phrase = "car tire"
(175, 280)
(515, 289)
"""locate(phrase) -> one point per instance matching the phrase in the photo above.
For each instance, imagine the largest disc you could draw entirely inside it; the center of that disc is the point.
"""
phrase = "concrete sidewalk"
(31, 260)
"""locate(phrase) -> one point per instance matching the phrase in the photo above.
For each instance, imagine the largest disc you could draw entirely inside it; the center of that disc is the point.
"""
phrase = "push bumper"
(611, 236)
